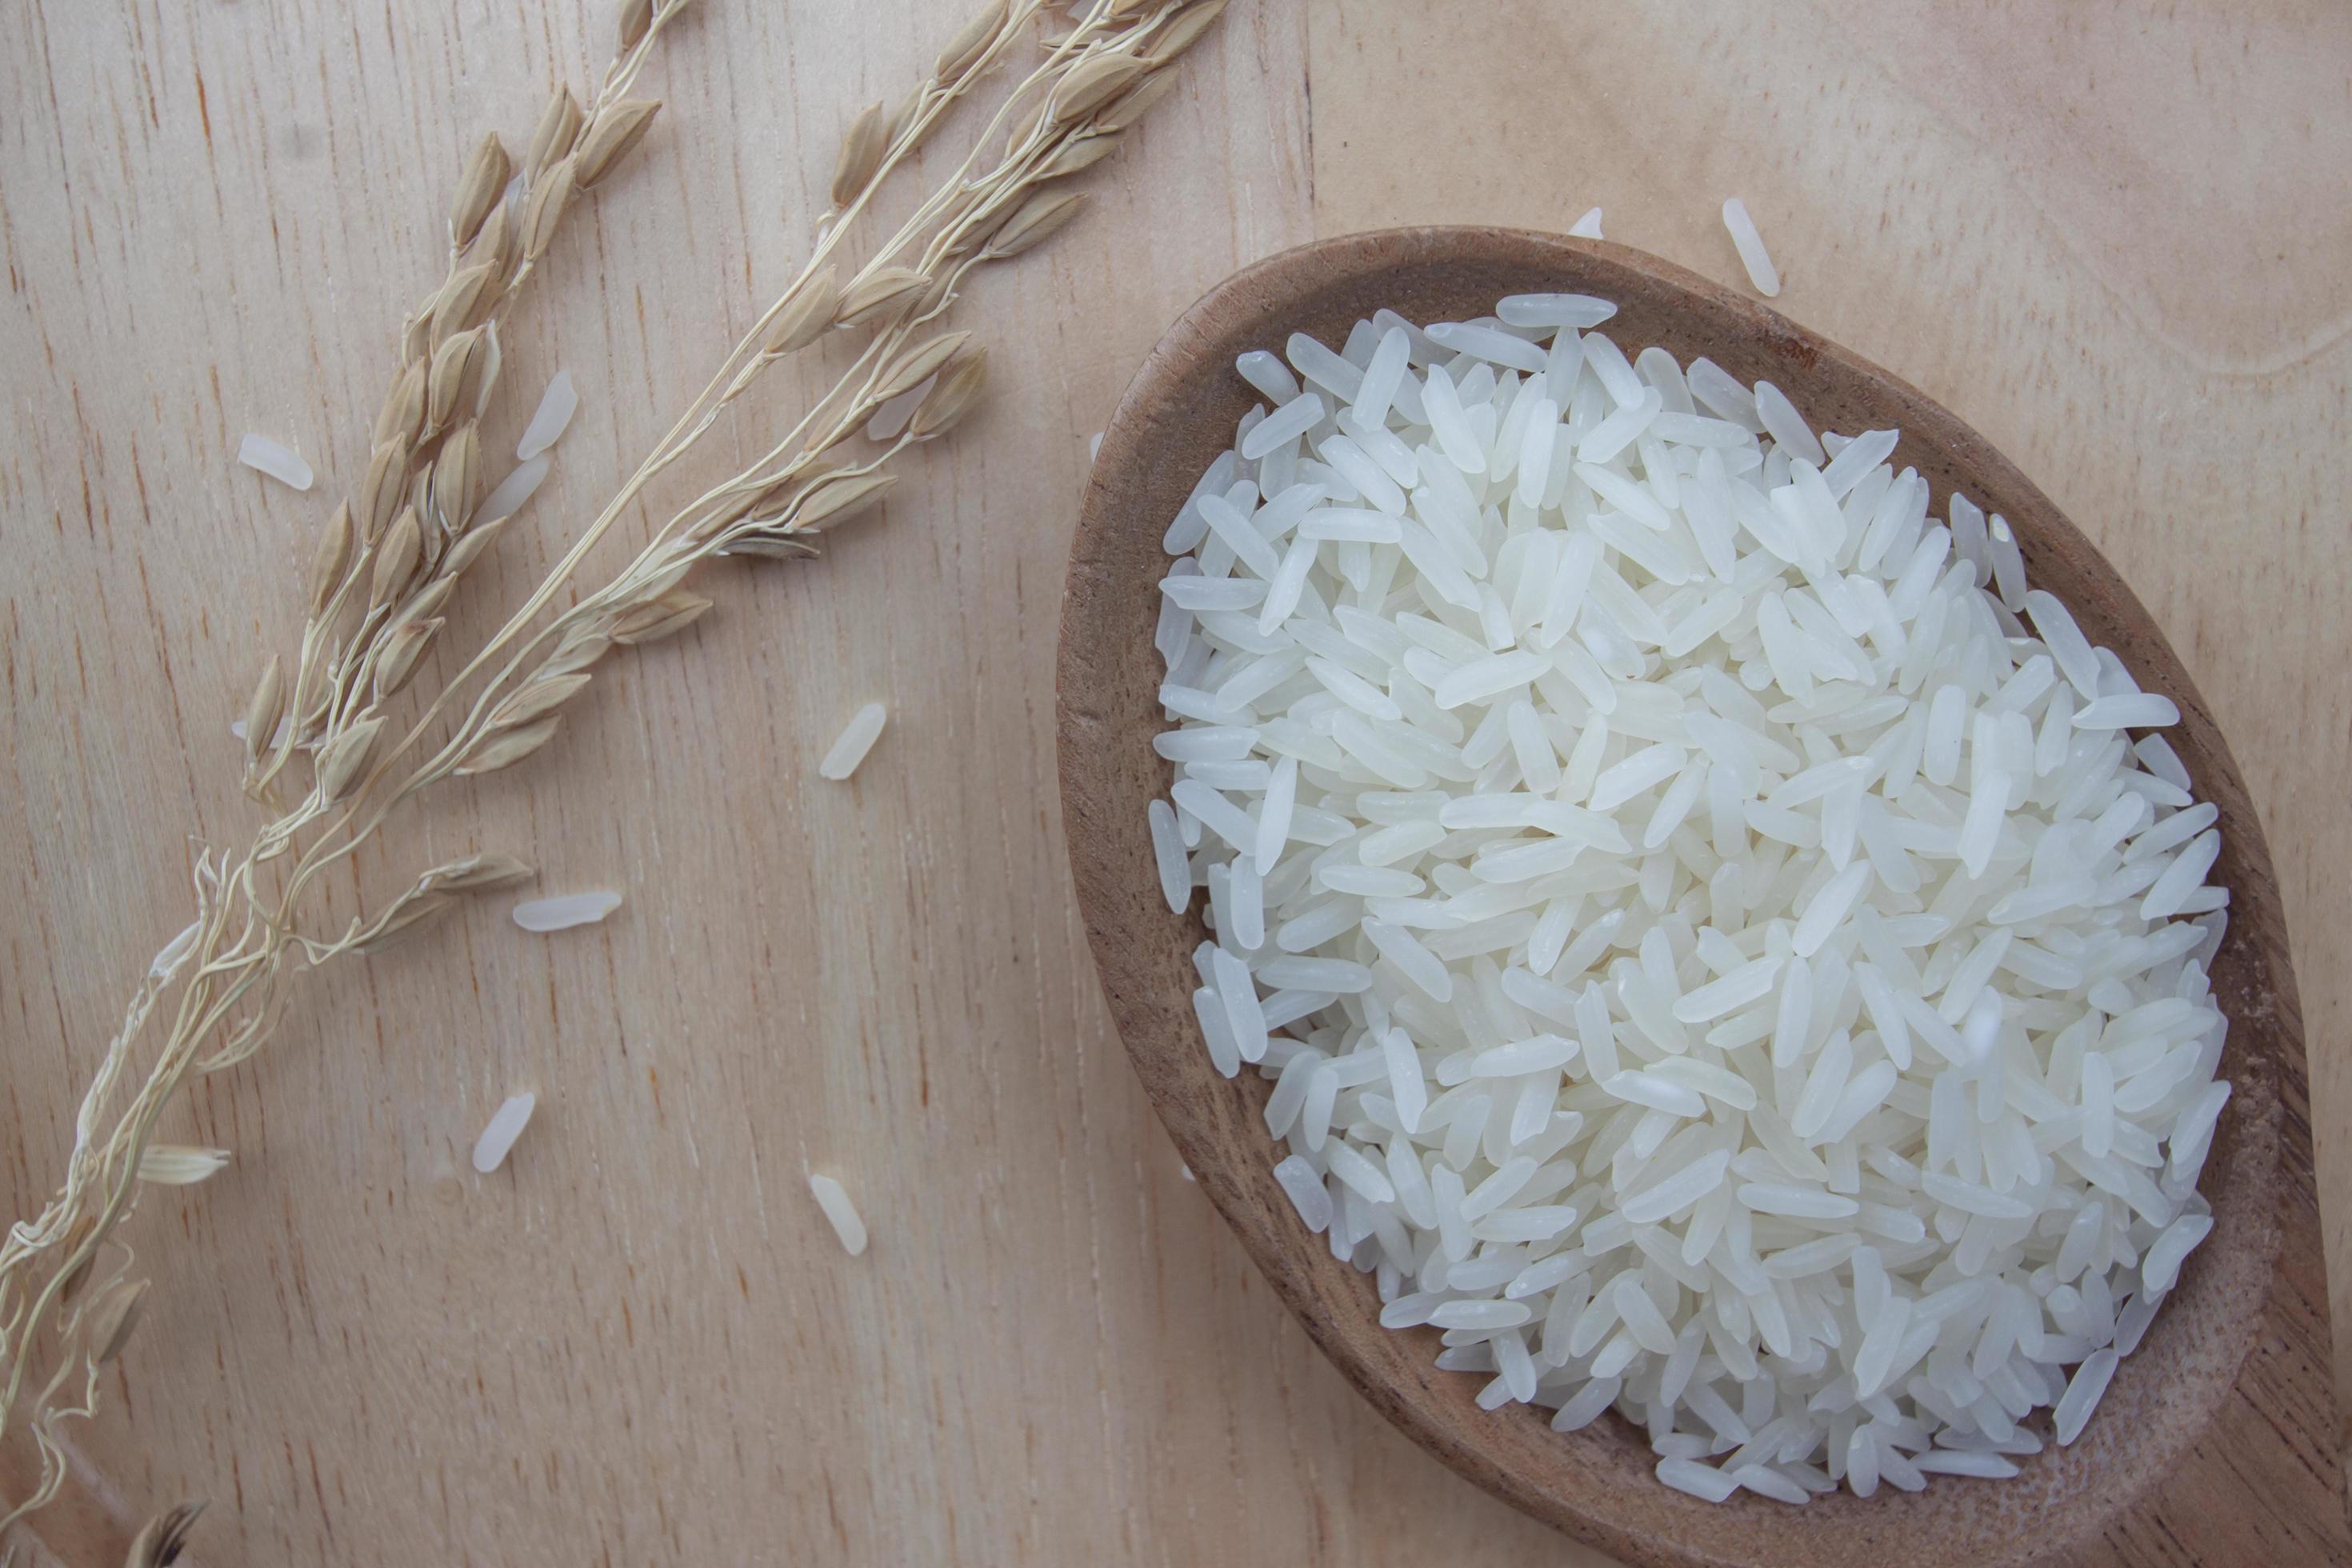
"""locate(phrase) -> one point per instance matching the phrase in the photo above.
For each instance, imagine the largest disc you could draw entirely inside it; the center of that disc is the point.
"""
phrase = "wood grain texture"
(2111, 236)
(2219, 1432)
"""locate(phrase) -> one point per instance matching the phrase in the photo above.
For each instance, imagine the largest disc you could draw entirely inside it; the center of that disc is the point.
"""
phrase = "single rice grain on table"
(549, 420)
(505, 1126)
(520, 483)
(1725, 948)
(857, 739)
(840, 1212)
(564, 911)
(274, 459)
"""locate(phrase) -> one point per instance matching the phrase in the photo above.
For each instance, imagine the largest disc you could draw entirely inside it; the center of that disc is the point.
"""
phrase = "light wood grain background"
(2115, 237)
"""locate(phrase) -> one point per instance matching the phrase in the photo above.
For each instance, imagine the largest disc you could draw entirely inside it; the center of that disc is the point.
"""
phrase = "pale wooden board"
(2113, 239)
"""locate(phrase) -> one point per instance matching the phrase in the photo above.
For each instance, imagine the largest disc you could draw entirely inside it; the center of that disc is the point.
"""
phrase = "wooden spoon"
(2218, 1441)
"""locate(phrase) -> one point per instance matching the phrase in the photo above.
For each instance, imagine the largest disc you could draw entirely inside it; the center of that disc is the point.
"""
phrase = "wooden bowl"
(2217, 1440)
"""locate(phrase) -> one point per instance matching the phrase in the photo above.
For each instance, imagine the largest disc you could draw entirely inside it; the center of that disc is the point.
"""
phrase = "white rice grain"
(276, 460)
(550, 420)
(564, 911)
(1703, 917)
(1168, 852)
(506, 497)
(839, 1212)
(1750, 246)
(857, 739)
(2084, 1392)
(506, 1125)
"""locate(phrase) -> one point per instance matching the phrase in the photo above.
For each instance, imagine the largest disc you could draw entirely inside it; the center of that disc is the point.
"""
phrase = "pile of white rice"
(1720, 952)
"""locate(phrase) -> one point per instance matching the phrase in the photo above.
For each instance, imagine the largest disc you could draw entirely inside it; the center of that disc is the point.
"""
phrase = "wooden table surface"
(2117, 238)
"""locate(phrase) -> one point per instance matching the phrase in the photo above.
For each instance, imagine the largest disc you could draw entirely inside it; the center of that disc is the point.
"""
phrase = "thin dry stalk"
(499, 231)
(159, 1544)
(392, 558)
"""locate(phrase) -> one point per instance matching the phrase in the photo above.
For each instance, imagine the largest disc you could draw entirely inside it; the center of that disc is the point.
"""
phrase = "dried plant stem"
(392, 559)
(499, 232)
(232, 955)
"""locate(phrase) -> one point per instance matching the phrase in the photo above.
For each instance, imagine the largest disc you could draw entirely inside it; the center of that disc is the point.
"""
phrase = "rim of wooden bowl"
(1597, 1484)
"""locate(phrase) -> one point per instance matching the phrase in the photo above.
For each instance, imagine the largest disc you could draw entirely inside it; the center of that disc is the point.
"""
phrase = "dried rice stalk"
(261, 713)
(1093, 83)
(616, 129)
(328, 561)
(558, 129)
(665, 615)
(178, 1165)
(1079, 156)
(1184, 29)
(404, 647)
(877, 292)
(462, 300)
(391, 557)
(1134, 102)
(545, 208)
(159, 1544)
(860, 158)
(911, 369)
(505, 748)
(387, 478)
(457, 367)
(449, 349)
(541, 697)
(839, 499)
(397, 557)
(407, 914)
(805, 317)
(80, 1249)
(404, 407)
(114, 1318)
(1034, 222)
(457, 479)
(964, 50)
(475, 873)
(636, 18)
(342, 758)
(478, 539)
(950, 397)
(483, 182)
